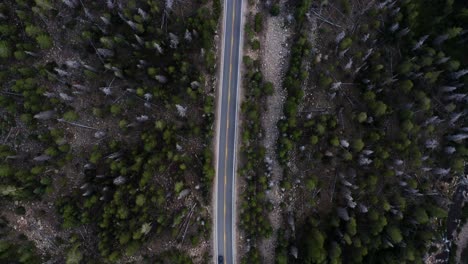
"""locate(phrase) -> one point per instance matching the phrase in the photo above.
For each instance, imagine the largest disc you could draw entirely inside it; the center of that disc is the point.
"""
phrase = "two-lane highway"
(224, 235)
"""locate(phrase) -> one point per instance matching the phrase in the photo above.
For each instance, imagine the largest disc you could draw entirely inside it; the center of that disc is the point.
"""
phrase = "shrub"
(44, 41)
(275, 10)
(268, 88)
(70, 116)
(258, 22)
(362, 117)
(20, 55)
(358, 145)
(256, 44)
(346, 6)
(346, 43)
(32, 30)
(5, 50)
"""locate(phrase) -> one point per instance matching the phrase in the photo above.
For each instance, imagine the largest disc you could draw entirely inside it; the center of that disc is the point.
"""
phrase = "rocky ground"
(462, 243)
(274, 57)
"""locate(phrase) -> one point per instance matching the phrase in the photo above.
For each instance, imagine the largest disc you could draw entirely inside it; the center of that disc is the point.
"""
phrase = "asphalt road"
(227, 133)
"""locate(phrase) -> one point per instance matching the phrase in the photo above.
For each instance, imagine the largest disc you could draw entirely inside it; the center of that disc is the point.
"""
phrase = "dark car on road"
(220, 260)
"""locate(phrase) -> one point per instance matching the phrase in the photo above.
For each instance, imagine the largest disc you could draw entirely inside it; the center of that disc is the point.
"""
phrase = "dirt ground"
(40, 225)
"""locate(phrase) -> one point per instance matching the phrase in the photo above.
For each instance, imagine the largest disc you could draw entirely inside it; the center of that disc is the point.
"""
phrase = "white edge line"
(239, 84)
(217, 134)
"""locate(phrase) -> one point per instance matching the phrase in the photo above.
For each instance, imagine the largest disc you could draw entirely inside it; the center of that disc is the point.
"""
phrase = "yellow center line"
(227, 120)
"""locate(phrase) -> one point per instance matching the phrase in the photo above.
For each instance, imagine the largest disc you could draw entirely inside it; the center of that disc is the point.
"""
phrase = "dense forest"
(106, 112)
(373, 143)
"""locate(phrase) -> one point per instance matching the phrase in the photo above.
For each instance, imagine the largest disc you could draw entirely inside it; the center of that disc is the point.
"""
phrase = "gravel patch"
(275, 54)
(462, 242)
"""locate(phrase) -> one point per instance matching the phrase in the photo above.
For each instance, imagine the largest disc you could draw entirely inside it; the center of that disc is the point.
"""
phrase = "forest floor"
(38, 224)
(462, 242)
